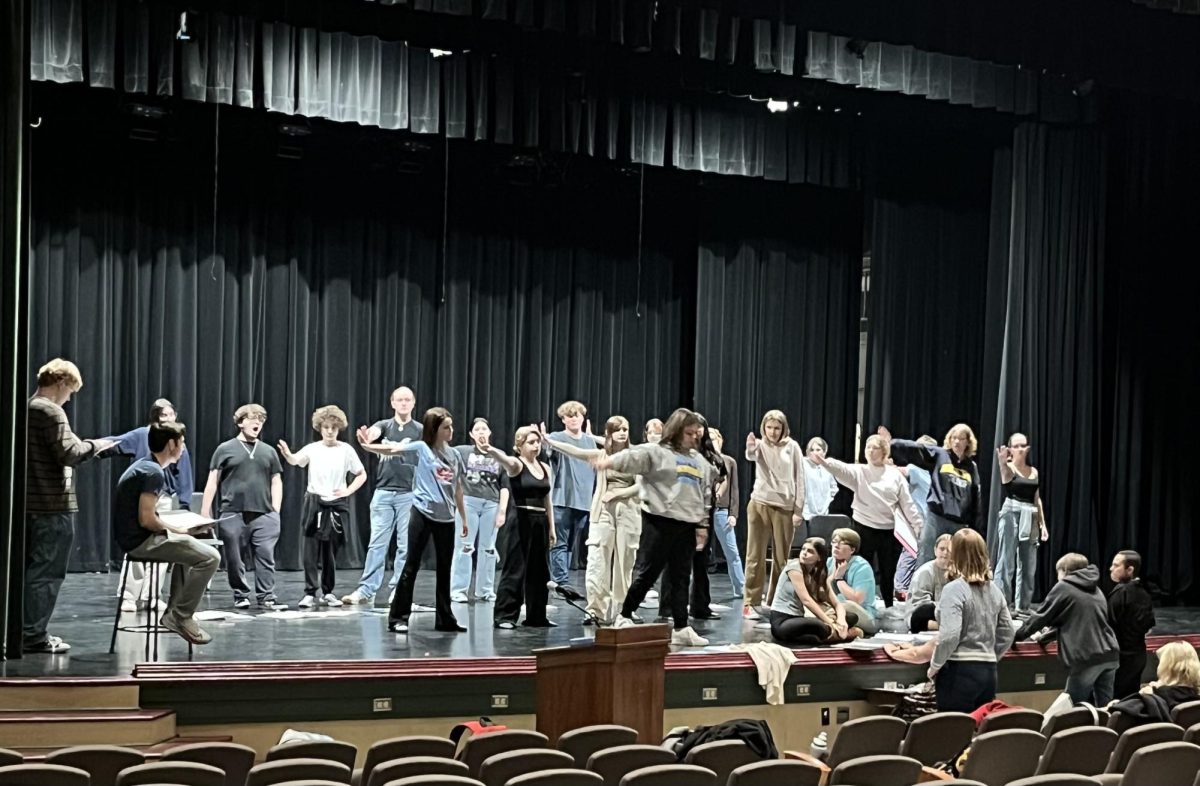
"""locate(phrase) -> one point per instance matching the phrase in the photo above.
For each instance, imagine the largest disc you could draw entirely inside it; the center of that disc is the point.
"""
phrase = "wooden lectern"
(618, 679)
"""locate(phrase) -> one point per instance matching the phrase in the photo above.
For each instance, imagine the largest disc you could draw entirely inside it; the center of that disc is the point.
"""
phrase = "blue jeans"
(1016, 555)
(964, 686)
(389, 520)
(1093, 684)
(935, 526)
(48, 538)
(567, 521)
(727, 537)
(481, 523)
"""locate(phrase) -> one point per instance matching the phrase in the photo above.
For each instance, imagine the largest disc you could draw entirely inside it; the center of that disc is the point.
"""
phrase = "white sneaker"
(459, 597)
(686, 637)
(623, 622)
(331, 600)
(652, 595)
(160, 606)
(357, 598)
(416, 607)
(53, 645)
(128, 605)
(307, 602)
(244, 603)
(749, 613)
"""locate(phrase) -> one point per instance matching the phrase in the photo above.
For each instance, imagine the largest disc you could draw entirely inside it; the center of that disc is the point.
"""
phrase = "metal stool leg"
(112, 645)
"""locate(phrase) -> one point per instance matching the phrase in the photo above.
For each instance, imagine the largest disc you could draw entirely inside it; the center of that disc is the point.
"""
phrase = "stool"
(152, 627)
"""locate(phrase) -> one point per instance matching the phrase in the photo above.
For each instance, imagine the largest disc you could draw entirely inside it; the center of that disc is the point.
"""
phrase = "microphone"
(564, 592)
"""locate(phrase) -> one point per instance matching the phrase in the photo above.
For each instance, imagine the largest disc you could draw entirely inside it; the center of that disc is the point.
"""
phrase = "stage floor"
(87, 603)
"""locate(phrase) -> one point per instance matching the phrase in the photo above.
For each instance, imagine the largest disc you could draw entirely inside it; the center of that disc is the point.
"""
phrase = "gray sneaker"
(188, 629)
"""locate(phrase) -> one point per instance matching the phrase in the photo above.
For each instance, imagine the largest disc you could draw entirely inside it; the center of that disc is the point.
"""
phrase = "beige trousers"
(765, 525)
(612, 549)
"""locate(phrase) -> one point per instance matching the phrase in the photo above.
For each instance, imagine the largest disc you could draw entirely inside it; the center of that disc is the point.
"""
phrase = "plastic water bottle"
(819, 749)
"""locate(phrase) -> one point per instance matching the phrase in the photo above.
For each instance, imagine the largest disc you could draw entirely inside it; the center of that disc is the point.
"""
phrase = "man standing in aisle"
(392, 500)
(250, 479)
(574, 480)
(50, 503)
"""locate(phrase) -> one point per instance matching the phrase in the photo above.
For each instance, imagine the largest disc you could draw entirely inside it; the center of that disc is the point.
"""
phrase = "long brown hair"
(611, 426)
(969, 557)
(673, 428)
(816, 578)
(432, 421)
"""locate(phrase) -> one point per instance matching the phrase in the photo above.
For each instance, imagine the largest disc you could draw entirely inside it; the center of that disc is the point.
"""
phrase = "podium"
(617, 679)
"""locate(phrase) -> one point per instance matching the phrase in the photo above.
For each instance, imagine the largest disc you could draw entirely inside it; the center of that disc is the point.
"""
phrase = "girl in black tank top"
(1020, 525)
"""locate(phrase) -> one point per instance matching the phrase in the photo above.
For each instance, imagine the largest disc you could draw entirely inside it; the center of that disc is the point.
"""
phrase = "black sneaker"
(53, 645)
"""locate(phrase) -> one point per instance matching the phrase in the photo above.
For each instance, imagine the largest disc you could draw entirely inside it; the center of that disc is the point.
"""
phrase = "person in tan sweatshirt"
(776, 506)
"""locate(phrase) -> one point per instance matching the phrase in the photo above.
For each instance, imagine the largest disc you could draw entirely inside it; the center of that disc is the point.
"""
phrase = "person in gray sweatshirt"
(1087, 646)
(675, 496)
(975, 629)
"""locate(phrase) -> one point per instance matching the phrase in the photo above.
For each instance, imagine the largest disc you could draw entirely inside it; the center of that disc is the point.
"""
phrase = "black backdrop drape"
(330, 282)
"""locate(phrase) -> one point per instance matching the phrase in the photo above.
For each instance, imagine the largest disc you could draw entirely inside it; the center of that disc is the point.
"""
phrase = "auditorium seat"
(101, 762)
(1161, 764)
(1186, 714)
(480, 746)
(936, 737)
(270, 773)
(878, 735)
(1012, 719)
(184, 772)
(1139, 737)
(1056, 779)
(776, 772)
(1192, 735)
(582, 743)
(43, 775)
(1071, 719)
(671, 775)
(558, 778)
(613, 764)
(436, 780)
(234, 759)
(327, 750)
(8, 758)
(885, 770)
(722, 757)
(1081, 751)
(499, 769)
(394, 770)
(998, 757)
(309, 783)
(399, 748)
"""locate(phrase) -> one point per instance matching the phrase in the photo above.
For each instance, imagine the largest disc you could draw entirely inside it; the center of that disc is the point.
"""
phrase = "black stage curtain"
(777, 316)
(925, 307)
(1050, 358)
(328, 285)
(1146, 491)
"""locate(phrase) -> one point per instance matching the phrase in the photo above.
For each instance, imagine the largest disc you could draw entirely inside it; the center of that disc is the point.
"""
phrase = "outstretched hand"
(1003, 453)
(751, 441)
(883, 432)
(283, 448)
(363, 435)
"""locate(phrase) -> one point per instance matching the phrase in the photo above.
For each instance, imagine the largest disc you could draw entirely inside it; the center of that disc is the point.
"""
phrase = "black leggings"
(789, 629)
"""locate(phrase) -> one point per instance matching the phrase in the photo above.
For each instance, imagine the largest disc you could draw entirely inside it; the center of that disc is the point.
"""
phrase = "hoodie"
(1077, 608)
(1155, 705)
(779, 472)
(1131, 614)
(954, 490)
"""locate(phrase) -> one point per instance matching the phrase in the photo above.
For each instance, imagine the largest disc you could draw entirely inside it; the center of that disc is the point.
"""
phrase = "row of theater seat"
(1006, 748)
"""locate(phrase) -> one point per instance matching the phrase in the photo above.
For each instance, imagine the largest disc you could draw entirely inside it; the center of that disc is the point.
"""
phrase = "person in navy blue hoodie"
(955, 500)
(177, 494)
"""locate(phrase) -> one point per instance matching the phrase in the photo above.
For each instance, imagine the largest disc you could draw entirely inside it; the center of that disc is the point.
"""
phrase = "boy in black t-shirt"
(142, 533)
(249, 476)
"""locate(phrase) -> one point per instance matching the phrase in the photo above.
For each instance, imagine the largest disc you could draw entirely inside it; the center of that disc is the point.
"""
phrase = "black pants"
(524, 568)
(666, 543)
(964, 686)
(880, 544)
(1129, 674)
(787, 629)
(701, 597)
(256, 533)
(420, 530)
(320, 566)
(921, 617)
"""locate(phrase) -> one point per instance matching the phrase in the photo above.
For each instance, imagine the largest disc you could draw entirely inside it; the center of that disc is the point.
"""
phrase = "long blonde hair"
(1178, 664)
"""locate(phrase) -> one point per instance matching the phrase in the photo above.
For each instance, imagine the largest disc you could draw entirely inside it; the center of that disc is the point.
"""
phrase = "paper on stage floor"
(188, 520)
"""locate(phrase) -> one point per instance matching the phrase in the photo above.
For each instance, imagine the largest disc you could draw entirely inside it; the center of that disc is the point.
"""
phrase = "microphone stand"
(587, 615)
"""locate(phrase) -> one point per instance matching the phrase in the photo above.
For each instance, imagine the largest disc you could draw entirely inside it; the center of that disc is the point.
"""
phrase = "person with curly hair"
(326, 509)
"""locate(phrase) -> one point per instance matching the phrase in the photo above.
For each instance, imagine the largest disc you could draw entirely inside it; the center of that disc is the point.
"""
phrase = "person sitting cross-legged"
(142, 534)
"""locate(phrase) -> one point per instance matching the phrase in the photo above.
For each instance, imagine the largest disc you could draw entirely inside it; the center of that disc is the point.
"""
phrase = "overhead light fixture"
(182, 33)
(440, 52)
(775, 105)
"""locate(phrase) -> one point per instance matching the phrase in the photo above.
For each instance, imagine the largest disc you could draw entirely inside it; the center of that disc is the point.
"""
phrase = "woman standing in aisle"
(526, 566)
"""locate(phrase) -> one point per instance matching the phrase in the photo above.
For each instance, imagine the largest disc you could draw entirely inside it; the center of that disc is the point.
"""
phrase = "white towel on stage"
(773, 663)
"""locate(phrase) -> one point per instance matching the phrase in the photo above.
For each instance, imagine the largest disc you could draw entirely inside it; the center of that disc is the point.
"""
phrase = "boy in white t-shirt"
(326, 509)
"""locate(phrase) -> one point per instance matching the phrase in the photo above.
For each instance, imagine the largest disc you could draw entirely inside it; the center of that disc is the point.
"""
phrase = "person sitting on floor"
(806, 609)
(853, 578)
(1178, 682)
(142, 534)
(926, 588)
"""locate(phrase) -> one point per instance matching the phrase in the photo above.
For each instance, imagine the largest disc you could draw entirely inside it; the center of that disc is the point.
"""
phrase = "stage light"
(440, 52)
(182, 33)
(775, 105)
